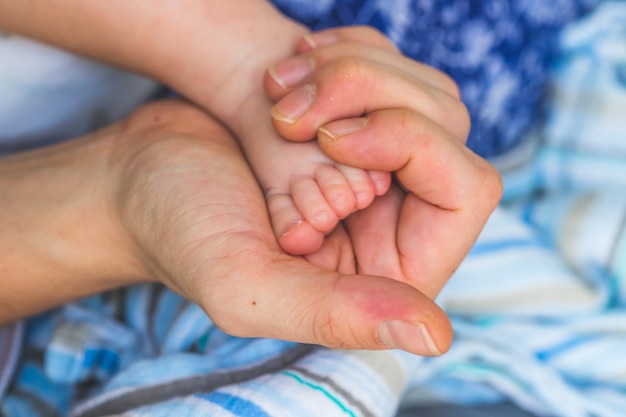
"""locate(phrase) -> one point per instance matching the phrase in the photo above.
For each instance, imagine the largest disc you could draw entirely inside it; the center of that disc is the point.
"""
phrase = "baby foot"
(308, 194)
(313, 205)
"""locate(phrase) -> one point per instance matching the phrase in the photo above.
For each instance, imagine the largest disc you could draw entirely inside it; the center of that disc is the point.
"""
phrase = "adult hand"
(167, 195)
(372, 108)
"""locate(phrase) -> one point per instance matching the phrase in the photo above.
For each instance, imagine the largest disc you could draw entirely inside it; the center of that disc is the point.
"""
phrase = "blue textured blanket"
(493, 49)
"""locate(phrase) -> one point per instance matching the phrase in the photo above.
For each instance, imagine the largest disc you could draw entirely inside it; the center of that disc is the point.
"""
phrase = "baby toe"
(294, 234)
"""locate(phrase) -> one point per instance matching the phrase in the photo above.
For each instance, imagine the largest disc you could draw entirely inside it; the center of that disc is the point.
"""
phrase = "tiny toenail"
(381, 187)
(320, 217)
(362, 196)
(291, 227)
(294, 104)
(339, 199)
(291, 71)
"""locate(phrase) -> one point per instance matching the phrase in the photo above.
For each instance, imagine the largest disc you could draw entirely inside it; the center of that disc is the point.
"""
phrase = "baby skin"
(307, 193)
(218, 58)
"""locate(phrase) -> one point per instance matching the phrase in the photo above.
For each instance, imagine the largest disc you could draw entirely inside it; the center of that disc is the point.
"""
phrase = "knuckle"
(349, 66)
(463, 119)
(346, 75)
(450, 86)
(376, 37)
(324, 330)
(330, 331)
(455, 118)
(370, 31)
(330, 324)
(492, 186)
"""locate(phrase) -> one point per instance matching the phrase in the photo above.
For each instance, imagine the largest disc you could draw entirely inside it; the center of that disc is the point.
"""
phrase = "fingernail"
(291, 107)
(311, 45)
(413, 338)
(343, 127)
(320, 39)
(291, 71)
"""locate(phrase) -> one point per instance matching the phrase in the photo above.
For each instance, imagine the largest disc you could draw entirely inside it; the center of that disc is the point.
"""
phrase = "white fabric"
(47, 95)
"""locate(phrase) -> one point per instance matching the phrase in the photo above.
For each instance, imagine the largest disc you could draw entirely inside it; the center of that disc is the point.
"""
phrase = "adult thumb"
(297, 301)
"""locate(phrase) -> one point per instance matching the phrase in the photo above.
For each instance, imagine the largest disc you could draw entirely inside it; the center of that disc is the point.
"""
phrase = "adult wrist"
(60, 237)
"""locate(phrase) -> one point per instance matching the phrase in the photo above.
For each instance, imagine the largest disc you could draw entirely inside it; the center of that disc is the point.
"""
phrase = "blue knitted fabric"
(498, 51)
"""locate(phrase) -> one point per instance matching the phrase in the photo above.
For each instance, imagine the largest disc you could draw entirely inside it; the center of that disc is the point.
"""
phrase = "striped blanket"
(537, 306)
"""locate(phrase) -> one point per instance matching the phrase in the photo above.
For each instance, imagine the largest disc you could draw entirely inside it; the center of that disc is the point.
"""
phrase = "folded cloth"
(451, 410)
(176, 362)
(537, 306)
(322, 382)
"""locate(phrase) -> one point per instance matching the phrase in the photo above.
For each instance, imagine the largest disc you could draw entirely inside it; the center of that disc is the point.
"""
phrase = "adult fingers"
(404, 238)
(361, 34)
(198, 220)
(284, 76)
(422, 236)
(351, 87)
(427, 160)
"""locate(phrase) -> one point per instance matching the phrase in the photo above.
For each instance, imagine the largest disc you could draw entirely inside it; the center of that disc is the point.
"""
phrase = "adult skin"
(166, 195)
(387, 125)
(164, 185)
(215, 53)
(457, 190)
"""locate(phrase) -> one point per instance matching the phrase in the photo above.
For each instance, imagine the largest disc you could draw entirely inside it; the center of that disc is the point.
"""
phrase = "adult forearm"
(59, 239)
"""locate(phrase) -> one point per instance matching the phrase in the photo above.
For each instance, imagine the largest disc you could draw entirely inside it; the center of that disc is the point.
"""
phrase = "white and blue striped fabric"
(538, 306)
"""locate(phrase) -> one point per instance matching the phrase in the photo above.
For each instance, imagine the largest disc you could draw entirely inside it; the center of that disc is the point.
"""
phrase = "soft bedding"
(538, 305)
(10, 347)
